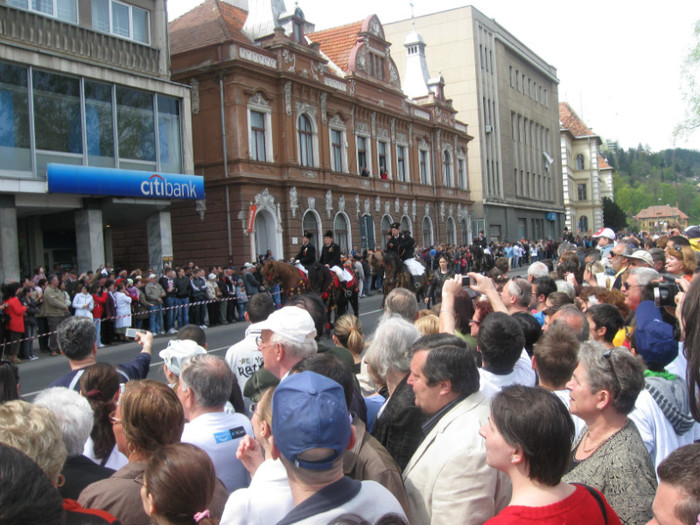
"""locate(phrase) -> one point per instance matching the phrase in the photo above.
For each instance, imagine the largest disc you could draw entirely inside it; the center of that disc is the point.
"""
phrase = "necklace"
(600, 443)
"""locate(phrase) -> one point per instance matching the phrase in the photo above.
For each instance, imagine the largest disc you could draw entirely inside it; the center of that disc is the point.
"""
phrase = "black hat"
(308, 235)
(329, 233)
(396, 225)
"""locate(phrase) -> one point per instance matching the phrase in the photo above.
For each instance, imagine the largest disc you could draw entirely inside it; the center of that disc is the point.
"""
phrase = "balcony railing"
(39, 31)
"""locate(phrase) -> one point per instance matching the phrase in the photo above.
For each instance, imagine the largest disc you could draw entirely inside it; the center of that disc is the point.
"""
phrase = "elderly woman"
(398, 423)
(609, 453)
(535, 456)
(148, 416)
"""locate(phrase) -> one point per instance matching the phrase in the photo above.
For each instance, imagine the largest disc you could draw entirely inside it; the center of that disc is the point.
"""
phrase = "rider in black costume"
(404, 246)
(330, 254)
(307, 252)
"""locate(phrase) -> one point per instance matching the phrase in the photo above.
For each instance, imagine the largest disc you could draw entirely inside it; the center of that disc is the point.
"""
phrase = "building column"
(160, 239)
(89, 239)
(36, 243)
(9, 251)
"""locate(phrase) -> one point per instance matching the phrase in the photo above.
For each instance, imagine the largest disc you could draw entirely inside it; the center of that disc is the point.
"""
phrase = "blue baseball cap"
(653, 337)
(309, 412)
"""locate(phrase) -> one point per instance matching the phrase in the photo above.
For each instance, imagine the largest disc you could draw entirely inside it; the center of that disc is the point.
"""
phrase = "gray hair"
(626, 250)
(297, 351)
(390, 345)
(620, 373)
(566, 287)
(521, 289)
(569, 311)
(402, 302)
(537, 269)
(209, 377)
(73, 413)
(645, 275)
(77, 337)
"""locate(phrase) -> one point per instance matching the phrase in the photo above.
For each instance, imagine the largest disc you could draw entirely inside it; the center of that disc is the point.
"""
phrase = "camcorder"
(665, 291)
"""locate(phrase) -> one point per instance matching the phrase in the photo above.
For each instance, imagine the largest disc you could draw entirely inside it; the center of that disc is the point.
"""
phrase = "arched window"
(341, 231)
(367, 233)
(579, 161)
(427, 232)
(447, 167)
(386, 229)
(451, 234)
(465, 232)
(406, 225)
(310, 223)
(583, 224)
(306, 141)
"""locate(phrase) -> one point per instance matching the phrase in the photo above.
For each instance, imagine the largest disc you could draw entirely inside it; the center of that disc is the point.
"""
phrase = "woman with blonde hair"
(427, 323)
(347, 332)
(680, 258)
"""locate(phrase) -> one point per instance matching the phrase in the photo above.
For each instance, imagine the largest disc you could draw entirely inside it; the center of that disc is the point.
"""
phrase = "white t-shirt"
(267, 500)
(218, 434)
(522, 374)
(564, 396)
(244, 358)
(116, 459)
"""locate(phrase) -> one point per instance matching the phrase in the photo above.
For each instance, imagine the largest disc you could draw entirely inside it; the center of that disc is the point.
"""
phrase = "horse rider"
(307, 254)
(330, 257)
(404, 245)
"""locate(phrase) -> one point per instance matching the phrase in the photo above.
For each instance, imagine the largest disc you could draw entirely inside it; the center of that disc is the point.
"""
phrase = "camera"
(665, 292)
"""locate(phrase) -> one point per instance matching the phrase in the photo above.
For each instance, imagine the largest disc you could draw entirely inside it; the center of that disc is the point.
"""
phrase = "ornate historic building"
(659, 218)
(296, 130)
(509, 96)
(586, 177)
(94, 136)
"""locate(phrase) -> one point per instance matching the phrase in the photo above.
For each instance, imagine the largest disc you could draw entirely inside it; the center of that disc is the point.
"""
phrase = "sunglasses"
(608, 357)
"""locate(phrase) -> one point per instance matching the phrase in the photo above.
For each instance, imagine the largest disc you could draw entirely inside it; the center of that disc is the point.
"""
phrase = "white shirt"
(79, 301)
(267, 500)
(116, 459)
(245, 358)
(218, 434)
(522, 374)
(563, 395)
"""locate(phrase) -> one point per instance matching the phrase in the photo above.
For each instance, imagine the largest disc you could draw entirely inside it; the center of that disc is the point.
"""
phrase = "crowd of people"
(569, 395)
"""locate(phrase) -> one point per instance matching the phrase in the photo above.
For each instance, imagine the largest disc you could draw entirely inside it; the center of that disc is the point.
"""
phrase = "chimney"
(415, 82)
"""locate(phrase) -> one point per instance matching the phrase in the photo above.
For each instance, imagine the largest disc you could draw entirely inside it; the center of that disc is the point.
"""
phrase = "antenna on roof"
(413, 20)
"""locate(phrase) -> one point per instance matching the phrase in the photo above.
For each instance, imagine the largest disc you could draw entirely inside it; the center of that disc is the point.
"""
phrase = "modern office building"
(586, 176)
(297, 130)
(509, 97)
(95, 140)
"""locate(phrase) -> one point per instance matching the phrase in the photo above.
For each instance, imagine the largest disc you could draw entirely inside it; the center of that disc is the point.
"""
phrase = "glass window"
(257, 130)
(362, 153)
(447, 167)
(340, 231)
(381, 157)
(135, 125)
(583, 224)
(14, 118)
(579, 161)
(100, 15)
(310, 224)
(401, 162)
(427, 232)
(306, 146)
(423, 164)
(140, 25)
(57, 122)
(99, 125)
(461, 173)
(169, 134)
(337, 149)
(121, 19)
(366, 232)
(582, 192)
(66, 10)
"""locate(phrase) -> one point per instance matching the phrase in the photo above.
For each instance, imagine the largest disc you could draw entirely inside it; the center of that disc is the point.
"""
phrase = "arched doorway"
(367, 233)
(312, 223)
(266, 235)
(451, 234)
(386, 229)
(427, 232)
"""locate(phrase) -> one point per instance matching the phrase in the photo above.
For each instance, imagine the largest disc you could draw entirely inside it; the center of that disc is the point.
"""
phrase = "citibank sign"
(86, 180)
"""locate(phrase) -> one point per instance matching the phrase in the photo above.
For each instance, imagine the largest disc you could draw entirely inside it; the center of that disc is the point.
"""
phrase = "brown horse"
(396, 274)
(292, 281)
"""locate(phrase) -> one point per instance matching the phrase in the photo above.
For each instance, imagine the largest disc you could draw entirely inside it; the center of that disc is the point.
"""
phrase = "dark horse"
(292, 281)
(335, 295)
(396, 274)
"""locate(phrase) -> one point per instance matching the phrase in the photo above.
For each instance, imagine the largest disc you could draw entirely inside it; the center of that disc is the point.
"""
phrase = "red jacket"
(99, 308)
(16, 310)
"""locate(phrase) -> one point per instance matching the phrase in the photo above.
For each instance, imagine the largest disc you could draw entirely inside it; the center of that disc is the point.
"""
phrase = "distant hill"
(644, 178)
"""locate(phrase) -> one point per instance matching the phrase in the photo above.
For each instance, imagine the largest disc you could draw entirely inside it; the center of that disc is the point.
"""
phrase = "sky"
(618, 61)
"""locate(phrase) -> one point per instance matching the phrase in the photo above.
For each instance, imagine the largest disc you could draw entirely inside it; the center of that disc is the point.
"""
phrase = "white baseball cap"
(292, 323)
(605, 232)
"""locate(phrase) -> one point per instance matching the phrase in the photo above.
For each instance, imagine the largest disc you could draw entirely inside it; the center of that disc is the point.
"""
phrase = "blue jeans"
(366, 289)
(155, 319)
(182, 315)
(242, 307)
(98, 325)
(170, 312)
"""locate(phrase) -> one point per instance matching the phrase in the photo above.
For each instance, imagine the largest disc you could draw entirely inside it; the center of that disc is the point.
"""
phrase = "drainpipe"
(225, 155)
(434, 177)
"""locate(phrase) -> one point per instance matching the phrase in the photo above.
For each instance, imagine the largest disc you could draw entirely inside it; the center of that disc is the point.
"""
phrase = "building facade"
(587, 177)
(661, 218)
(94, 137)
(509, 96)
(296, 130)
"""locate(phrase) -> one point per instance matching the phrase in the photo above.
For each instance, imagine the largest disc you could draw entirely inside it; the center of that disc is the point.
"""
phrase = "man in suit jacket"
(447, 480)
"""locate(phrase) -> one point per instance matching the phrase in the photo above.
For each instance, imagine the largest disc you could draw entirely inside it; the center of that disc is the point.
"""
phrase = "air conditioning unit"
(488, 128)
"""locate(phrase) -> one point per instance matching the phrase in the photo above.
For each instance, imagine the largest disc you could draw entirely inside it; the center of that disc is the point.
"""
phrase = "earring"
(61, 480)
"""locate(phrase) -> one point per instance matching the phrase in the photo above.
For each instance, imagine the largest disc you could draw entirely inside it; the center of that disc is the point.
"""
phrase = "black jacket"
(306, 255)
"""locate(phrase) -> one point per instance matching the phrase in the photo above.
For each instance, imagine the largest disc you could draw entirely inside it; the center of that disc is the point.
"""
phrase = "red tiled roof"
(602, 164)
(571, 121)
(210, 23)
(653, 212)
(337, 42)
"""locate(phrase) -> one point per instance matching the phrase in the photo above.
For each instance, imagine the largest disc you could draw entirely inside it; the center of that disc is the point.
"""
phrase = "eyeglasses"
(114, 419)
(608, 357)
(627, 286)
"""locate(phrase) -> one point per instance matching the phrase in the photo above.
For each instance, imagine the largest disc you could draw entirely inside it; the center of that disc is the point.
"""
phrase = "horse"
(335, 295)
(396, 274)
(292, 281)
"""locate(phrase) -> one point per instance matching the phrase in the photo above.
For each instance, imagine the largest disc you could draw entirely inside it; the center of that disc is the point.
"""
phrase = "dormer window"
(376, 66)
(298, 32)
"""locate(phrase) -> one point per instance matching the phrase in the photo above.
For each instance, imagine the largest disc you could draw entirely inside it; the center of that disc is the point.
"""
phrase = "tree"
(691, 89)
(613, 216)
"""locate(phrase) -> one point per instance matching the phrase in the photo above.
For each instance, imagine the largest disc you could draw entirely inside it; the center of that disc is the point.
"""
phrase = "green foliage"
(643, 178)
(691, 87)
(613, 216)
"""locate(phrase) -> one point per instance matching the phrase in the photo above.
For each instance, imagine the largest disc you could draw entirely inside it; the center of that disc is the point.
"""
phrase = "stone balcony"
(63, 39)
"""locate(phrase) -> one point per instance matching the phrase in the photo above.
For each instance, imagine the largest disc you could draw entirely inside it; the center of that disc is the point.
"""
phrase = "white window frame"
(131, 22)
(314, 140)
(431, 232)
(368, 153)
(387, 155)
(267, 115)
(27, 5)
(428, 178)
(348, 225)
(343, 147)
(406, 164)
(462, 172)
(447, 175)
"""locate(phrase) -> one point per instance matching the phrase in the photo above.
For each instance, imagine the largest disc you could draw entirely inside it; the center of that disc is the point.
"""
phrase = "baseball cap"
(177, 351)
(291, 322)
(309, 412)
(605, 232)
(248, 265)
(653, 337)
(152, 276)
(211, 276)
(643, 255)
